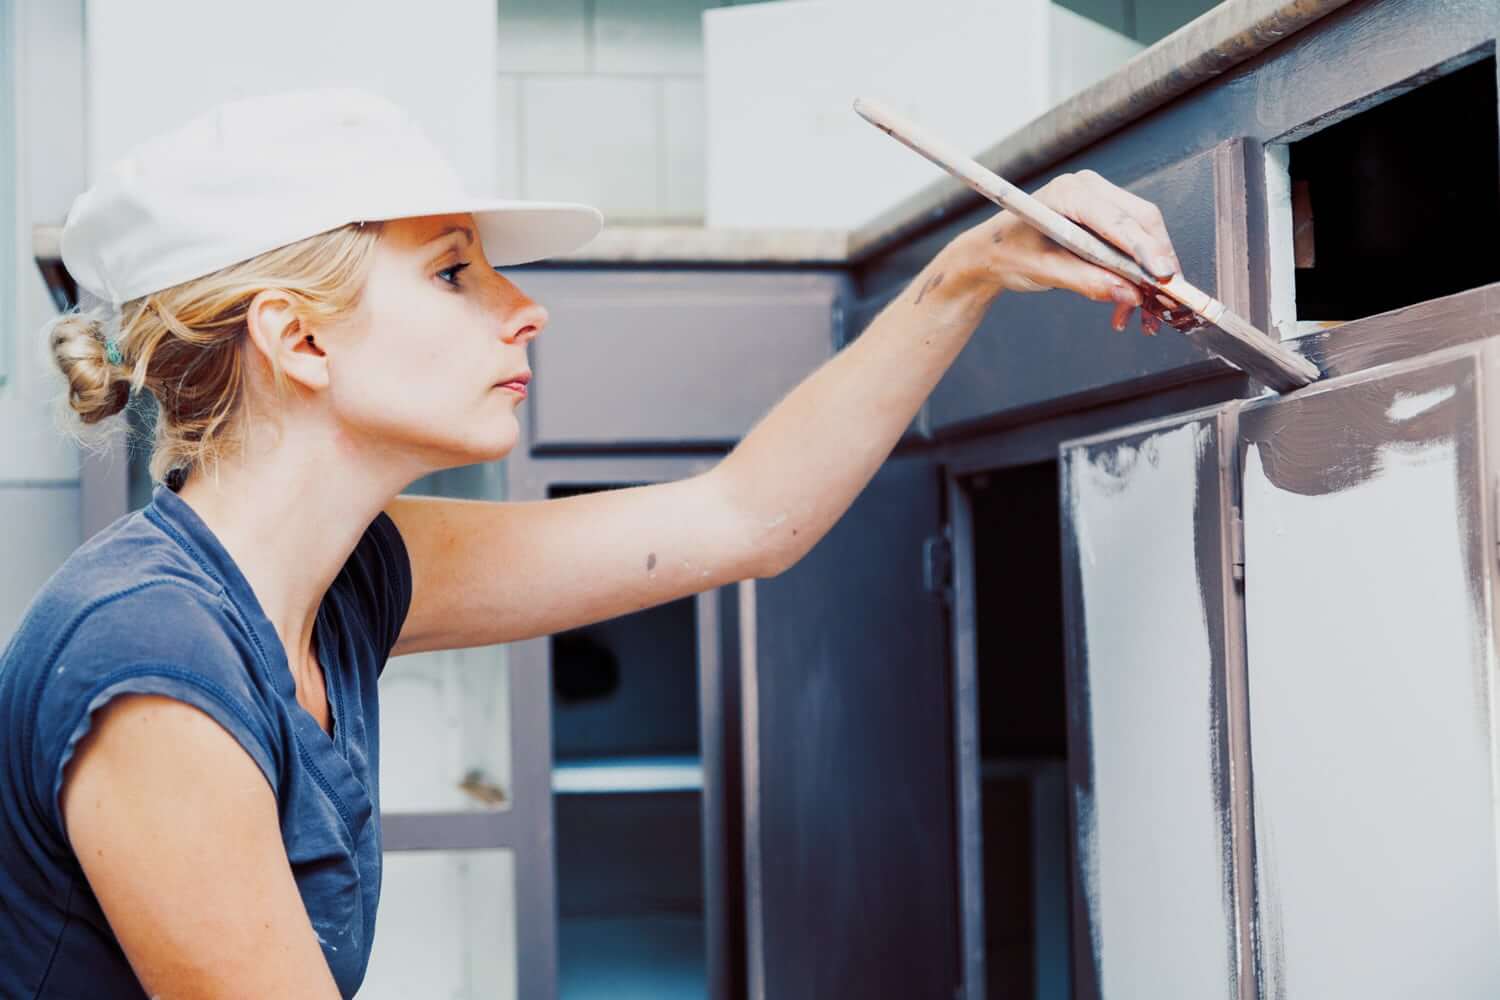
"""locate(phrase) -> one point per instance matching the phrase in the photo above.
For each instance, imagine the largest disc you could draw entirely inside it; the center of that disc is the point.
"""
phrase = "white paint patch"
(1154, 873)
(1413, 404)
(1283, 284)
(1374, 821)
(447, 926)
(444, 714)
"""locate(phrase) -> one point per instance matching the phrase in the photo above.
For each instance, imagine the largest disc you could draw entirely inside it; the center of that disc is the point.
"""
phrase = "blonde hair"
(186, 344)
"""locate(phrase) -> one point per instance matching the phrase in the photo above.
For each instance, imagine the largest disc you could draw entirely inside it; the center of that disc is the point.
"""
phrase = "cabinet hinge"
(1237, 545)
(937, 565)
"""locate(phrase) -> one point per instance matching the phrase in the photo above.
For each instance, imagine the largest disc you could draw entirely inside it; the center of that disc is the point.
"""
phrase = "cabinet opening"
(1022, 711)
(627, 798)
(1391, 204)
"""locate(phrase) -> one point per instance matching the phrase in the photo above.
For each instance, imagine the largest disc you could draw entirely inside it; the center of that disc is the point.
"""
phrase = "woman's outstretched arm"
(496, 572)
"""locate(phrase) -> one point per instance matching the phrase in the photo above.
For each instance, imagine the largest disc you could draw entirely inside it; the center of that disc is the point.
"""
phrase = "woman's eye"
(452, 270)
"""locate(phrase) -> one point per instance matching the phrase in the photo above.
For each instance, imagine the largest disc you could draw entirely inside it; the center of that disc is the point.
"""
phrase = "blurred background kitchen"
(689, 125)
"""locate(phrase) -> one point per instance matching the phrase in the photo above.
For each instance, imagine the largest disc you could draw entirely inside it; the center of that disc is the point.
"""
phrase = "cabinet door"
(1371, 673)
(850, 842)
(1154, 696)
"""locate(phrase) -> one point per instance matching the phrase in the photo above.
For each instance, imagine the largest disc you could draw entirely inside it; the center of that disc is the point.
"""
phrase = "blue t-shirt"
(153, 603)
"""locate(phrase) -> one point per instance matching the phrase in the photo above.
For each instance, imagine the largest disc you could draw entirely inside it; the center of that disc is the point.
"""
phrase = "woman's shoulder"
(128, 611)
(130, 592)
(128, 603)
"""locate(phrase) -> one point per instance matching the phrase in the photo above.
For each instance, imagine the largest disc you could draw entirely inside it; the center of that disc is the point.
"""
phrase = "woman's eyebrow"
(468, 234)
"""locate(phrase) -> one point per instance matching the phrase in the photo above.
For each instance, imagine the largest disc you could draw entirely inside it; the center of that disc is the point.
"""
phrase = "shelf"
(625, 775)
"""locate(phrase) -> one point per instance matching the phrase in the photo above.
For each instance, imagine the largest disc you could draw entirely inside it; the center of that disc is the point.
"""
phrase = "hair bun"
(96, 388)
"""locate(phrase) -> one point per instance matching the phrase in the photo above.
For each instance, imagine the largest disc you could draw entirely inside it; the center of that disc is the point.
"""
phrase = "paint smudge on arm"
(929, 285)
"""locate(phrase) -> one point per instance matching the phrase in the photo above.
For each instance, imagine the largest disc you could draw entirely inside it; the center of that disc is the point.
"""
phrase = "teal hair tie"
(112, 351)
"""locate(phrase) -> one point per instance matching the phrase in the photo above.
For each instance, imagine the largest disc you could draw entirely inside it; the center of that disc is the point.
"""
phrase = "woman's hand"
(1015, 257)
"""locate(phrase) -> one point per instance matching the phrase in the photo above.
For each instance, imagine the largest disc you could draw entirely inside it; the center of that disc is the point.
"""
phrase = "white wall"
(153, 65)
(785, 147)
(602, 101)
(39, 501)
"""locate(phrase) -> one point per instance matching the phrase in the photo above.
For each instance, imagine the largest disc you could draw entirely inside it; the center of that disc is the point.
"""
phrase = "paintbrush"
(1207, 321)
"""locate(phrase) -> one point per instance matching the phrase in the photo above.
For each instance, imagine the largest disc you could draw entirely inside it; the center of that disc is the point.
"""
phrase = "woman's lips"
(517, 387)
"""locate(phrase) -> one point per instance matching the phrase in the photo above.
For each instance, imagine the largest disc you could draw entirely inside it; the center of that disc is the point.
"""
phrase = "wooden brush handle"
(1002, 192)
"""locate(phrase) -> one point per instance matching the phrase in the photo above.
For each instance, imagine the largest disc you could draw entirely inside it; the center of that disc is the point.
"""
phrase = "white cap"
(252, 175)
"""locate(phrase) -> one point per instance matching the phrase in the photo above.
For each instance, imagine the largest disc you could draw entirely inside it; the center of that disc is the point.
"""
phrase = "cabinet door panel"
(1370, 659)
(1154, 694)
(850, 840)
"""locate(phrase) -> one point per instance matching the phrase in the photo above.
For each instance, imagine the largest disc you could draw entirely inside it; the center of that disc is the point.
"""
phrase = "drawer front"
(1048, 351)
(670, 358)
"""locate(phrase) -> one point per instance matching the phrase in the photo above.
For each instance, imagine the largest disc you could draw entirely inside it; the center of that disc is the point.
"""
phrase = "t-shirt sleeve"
(163, 639)
(379, 579)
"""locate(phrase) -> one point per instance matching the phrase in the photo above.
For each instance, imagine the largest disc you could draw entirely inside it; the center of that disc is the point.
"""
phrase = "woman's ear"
(283, 340)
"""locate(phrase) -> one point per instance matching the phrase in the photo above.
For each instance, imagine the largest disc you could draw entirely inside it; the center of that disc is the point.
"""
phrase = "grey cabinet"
(670, 359)
(1053, 351)
(849, 837)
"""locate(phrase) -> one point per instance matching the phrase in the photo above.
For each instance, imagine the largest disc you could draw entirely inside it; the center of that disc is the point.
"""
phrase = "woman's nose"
(525, 323)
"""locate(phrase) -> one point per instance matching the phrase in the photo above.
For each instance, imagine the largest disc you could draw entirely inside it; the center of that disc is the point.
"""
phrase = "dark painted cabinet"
(667, 359)
(1050, 351)
(850, 867)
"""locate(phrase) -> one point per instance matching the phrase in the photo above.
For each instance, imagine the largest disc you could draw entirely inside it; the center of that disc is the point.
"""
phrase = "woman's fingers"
(1124, 219)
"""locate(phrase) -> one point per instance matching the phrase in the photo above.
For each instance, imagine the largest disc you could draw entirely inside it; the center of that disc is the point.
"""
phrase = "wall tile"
(594, 139)
(544, 36)
(659, 36)
(684, 157)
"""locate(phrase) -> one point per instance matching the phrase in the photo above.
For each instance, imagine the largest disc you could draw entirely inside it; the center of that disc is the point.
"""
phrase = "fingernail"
(1164, 267)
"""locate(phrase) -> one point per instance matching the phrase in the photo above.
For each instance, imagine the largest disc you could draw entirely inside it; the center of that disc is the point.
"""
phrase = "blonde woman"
(188, 730)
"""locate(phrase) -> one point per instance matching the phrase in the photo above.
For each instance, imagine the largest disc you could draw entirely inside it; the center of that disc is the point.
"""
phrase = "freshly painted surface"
(1371, 662)
(1154, 830)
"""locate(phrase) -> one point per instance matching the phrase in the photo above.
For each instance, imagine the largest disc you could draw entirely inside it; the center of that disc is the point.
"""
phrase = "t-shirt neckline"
(177, 517)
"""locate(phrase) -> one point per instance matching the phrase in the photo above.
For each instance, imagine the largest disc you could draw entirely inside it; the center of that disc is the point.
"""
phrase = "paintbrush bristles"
(1257, 355)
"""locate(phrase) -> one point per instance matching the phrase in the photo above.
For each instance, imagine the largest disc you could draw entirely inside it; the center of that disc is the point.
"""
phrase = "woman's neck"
(290, 517)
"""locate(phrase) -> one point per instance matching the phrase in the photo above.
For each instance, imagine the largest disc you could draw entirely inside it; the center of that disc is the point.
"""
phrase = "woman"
(188, 708)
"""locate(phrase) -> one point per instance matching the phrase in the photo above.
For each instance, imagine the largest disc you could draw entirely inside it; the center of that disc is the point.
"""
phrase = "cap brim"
(519, 232)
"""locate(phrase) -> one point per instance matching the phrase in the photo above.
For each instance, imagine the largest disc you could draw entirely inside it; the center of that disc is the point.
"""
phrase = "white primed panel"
(445, 733)
(1370, 662)
(447, 927)
(1154, 857)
